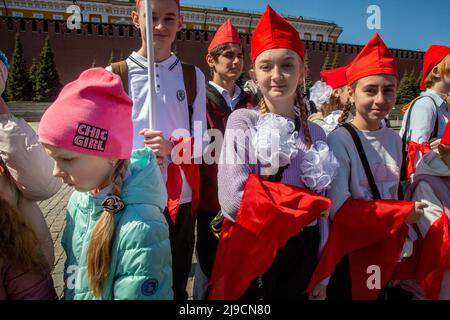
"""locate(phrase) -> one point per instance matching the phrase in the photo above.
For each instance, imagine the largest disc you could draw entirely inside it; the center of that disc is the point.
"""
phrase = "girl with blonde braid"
(116, 238)
(330, 97)
(268, 192)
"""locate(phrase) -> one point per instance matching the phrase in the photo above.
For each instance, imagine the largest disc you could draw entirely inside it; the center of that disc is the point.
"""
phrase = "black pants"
(340, 286)
(291, 271)
(182, 241)
(207, 243)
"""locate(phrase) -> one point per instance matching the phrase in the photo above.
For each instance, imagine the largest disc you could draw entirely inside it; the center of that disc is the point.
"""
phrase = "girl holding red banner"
(270, 238)
(368, 233)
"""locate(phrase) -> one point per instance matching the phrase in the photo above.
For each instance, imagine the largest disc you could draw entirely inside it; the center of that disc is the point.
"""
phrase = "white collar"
(222, 91)
(438, 96)
(169, 63)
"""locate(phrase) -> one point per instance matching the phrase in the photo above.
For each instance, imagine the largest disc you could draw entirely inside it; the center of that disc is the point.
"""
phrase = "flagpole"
(151, 63)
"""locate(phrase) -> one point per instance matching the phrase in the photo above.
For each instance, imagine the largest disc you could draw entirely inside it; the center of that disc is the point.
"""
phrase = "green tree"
(33, 75)
(47, 80)
(412, 85)
(326, 63)
(402, 89)
(418, 80)
(335, 63)
(18, 82)
(406, 91)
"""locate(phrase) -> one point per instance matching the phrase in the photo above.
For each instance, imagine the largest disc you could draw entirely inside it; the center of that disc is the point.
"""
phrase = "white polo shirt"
(171, 104)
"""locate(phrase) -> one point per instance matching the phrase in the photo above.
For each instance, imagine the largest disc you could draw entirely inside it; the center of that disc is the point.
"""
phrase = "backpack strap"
(190, 85)
(436, 124)
(121, 69)
(408, 120)
(365, 162)
(213, 95)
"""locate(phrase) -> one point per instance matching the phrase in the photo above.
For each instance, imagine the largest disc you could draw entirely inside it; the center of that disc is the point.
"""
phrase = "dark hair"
(217, 51)
(19, 242)
(333, 105)
(348, 107)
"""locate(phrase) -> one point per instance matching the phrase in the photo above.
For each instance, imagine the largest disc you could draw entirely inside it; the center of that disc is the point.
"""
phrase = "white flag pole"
(151, 63)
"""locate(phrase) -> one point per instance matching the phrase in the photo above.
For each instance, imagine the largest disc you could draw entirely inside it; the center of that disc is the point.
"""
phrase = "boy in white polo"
(180, 104)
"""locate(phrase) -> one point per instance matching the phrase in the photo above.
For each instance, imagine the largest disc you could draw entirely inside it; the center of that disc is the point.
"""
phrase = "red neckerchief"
(413, 149)
(174, 182)
(269, 215)
(369, 232)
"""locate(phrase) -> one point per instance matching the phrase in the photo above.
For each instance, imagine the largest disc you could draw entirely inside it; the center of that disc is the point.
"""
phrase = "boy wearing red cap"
(425, 120)
(431, 185)
(270, 239)
(368, 227)
(226, 60)
(329, 96)
(180, 104)
(116, 238)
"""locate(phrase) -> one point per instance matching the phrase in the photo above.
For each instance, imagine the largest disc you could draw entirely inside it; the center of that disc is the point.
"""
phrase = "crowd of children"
(279, 203)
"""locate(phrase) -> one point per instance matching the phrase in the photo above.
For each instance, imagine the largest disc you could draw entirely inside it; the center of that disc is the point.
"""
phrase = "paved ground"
(54, 211)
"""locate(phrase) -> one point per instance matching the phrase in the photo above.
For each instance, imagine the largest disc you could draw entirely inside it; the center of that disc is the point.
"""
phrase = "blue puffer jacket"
(141, 261)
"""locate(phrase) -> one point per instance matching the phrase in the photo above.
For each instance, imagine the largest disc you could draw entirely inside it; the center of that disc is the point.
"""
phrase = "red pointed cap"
(335, 78)
(446, 137)
(375, 58)
(227, 33)
(434, 55)
(273, 32)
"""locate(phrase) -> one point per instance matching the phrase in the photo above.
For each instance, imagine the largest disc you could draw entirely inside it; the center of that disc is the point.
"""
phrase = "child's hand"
(326, 213)
(319, 292)
(155, 140)
(434, 144)
(416, 213)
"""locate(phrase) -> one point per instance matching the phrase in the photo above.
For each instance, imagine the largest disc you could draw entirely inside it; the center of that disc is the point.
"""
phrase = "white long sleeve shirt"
(383, 151)
(423, 117)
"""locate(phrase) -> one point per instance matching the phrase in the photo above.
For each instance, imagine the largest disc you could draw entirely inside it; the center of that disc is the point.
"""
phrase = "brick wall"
(75, 50)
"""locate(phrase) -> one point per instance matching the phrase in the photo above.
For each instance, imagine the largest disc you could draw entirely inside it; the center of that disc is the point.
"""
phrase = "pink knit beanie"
(92, 115)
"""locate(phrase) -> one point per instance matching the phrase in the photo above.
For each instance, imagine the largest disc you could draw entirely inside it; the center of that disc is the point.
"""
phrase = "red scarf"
(269, 215)
(431, 255)
(174, 182)
(370, 232)
(413, 149)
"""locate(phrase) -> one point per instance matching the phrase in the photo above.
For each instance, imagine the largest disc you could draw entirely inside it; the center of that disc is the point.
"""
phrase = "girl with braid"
(116, 237)
(330, 97)
(268, 189)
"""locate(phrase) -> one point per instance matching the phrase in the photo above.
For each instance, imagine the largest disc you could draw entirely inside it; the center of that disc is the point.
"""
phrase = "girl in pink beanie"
(116, 237)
